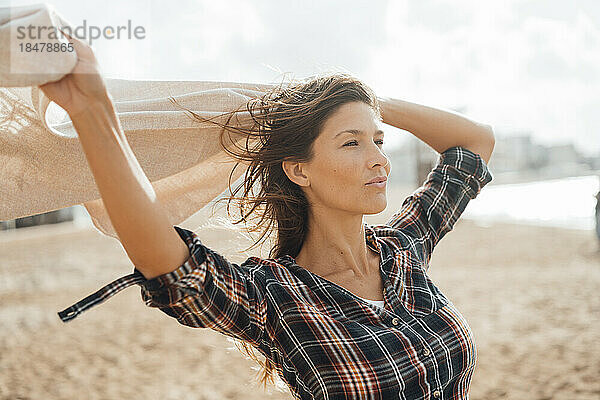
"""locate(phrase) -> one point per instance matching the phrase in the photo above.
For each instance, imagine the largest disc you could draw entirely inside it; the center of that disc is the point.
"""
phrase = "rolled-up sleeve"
(208, 291)
(432, 210)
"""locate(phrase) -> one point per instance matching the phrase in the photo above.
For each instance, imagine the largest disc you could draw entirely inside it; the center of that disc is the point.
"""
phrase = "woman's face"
(343, 163)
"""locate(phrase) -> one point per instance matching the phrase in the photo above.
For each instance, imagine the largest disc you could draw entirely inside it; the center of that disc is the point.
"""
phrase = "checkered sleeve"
(432, 210)
(208, 291)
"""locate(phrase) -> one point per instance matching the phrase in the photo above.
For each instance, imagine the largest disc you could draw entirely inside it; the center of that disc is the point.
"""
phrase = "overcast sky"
(521, 66)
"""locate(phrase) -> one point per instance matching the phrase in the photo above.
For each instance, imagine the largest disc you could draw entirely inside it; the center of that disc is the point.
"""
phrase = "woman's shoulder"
(270, 262)
(268, 266)
(389, 234)
(279, 276)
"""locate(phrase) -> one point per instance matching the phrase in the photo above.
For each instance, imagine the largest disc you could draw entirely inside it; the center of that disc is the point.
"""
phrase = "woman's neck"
(336, 245)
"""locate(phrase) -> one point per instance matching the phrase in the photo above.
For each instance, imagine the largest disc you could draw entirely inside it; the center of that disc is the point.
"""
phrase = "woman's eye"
(354, 141)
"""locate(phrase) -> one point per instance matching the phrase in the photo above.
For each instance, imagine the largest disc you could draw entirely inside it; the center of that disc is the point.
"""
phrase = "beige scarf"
(43, 166)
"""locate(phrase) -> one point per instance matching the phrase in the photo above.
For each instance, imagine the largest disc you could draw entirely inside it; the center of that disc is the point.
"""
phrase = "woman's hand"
(383, 102)
(82, 86)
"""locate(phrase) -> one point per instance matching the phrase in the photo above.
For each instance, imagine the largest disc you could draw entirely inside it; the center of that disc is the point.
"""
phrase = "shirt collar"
(371, 238)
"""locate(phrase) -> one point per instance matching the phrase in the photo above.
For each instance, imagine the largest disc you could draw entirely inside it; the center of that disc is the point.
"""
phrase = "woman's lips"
(378, 184)
(377, 179)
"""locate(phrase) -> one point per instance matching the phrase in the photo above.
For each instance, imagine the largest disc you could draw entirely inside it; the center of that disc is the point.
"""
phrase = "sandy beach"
(529, 293)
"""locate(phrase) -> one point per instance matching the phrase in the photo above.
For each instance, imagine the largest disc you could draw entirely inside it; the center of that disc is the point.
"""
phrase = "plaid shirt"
(326, 342)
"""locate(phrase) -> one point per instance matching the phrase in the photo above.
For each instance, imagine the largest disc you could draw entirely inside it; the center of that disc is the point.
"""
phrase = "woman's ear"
(295, 171)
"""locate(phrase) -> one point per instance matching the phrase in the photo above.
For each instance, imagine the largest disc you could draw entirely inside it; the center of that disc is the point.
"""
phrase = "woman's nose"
(380, 158)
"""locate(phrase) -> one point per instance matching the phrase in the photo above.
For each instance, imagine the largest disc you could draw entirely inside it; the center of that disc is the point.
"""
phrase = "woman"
(342, 309)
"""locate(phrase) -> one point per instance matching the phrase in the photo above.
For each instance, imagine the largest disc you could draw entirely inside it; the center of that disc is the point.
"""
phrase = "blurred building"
(51, 217)
(518, 158)
(411, 162)
(515, 158)
(517, 153)
(563, 154)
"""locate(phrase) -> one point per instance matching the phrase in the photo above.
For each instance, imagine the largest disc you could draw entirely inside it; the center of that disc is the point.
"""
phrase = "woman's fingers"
(82, 85)
(83, 50)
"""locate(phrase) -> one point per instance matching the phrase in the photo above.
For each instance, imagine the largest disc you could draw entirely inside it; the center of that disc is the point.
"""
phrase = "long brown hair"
(286, 121)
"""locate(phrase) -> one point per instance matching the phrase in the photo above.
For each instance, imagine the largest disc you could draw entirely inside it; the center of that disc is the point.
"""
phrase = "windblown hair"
(286, 121)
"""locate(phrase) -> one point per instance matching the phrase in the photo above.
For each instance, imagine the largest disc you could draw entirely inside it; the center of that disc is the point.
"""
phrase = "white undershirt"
(374, 302)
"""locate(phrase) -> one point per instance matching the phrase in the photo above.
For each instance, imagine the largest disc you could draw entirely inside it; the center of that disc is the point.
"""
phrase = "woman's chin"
(376, 208)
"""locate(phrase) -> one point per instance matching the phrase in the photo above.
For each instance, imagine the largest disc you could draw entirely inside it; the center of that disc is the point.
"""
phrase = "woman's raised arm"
(135, 212)
(465, 147)
(440, 129)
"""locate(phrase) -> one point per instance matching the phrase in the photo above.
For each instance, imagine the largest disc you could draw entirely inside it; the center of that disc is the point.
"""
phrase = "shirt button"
(395, 321)
(437, 394)
(425, 351)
